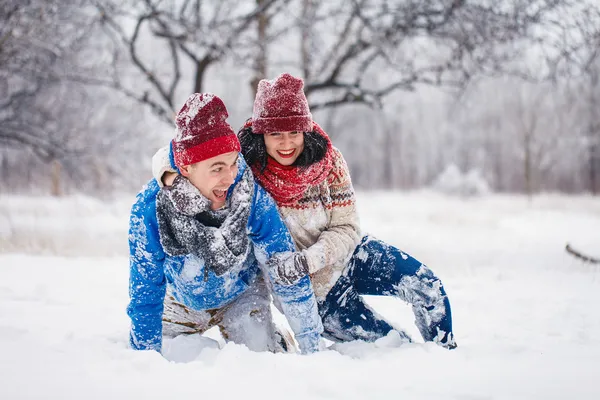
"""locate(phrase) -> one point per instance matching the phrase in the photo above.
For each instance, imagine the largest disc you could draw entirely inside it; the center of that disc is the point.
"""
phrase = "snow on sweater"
(325, 226)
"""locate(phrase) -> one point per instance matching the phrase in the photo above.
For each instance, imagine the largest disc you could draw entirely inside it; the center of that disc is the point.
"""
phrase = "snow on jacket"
(151, 270)
(325, 226)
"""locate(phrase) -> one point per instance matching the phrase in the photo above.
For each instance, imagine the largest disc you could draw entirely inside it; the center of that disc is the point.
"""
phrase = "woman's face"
(284, 147)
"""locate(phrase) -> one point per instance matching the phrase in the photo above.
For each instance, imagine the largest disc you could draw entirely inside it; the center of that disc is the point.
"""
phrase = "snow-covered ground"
(526, 314)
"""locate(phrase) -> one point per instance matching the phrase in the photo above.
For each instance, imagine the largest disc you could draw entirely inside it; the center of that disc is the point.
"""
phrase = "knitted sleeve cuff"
(315, 257)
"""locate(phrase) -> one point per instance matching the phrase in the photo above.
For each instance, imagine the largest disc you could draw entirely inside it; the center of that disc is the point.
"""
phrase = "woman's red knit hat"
(281, 106)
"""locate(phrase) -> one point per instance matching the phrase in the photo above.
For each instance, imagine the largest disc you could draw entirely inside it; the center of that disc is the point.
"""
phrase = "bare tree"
(593, 131)
(574, 53)
(307, 18)
(261, 60)
(35, 44)
(380, 47)
(193, 33)
(57, 135)
(344, 47)
(591, 84)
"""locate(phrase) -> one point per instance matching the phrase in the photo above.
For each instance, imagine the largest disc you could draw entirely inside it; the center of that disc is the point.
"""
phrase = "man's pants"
(377, 268)
(246, 320)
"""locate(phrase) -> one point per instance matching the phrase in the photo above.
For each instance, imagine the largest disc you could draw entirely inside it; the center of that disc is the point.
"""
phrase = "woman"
(293, 159)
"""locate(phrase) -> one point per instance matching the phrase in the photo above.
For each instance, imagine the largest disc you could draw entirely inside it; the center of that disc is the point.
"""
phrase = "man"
(198, 247)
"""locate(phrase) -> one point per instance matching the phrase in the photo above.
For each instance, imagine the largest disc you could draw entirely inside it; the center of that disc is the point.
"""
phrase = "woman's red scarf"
(287, 184)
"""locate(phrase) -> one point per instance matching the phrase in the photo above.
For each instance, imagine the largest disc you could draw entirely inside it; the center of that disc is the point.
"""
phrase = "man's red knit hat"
(202, 130)
(281, 106)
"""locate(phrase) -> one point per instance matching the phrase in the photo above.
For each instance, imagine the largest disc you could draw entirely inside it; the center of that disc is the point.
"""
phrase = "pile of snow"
(453, 182)
(525, 312)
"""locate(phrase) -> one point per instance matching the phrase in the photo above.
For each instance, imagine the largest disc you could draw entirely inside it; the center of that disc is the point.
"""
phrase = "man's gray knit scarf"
(180, 209)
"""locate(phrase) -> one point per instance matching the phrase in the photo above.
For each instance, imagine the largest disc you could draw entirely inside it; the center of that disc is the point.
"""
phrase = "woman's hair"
(254, 149)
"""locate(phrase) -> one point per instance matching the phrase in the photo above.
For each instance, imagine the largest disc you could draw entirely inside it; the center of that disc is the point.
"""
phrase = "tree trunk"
(388, 151)
(260, 63)
(201, 68)
(594, 133)
(593, 166)
(55, 189)
(306, 42)
(527, 165)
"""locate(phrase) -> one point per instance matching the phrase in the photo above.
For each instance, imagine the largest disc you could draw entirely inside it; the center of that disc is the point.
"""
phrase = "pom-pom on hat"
(281, 106)
(202, 130)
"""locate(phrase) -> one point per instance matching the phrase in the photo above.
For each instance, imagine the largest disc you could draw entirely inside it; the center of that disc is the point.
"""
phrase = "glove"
(287, 268)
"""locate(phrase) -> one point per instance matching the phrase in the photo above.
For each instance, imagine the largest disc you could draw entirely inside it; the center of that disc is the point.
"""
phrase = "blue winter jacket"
(152, 270)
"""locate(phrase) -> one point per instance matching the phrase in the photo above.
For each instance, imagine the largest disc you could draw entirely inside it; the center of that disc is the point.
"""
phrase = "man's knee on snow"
(179, 319)
(249, 322)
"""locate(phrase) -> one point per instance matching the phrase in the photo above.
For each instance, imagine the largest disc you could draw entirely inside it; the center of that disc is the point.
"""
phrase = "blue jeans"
(376, 268)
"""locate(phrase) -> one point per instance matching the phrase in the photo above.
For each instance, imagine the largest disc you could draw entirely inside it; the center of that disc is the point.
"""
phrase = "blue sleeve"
(299, 305)
(267, 231)
(147, 282)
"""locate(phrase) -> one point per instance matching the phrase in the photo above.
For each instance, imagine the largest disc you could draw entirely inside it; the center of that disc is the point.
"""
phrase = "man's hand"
(287, 268)
(168, 178)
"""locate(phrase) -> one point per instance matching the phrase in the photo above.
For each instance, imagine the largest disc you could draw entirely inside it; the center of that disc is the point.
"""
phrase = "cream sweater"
(325, 226)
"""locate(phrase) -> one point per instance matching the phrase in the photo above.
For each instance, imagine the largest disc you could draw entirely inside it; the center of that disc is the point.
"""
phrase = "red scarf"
(287, 184)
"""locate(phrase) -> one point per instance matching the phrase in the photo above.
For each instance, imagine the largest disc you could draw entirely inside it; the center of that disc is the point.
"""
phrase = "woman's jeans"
(376, 268)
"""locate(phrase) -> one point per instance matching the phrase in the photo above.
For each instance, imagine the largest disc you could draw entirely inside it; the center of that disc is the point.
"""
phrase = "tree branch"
(581, 256)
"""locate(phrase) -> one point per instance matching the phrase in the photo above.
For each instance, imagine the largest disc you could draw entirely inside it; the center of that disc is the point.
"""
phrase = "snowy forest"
(505, 94)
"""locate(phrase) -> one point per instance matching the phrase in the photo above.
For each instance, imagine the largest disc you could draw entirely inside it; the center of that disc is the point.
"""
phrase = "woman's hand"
(168, 178)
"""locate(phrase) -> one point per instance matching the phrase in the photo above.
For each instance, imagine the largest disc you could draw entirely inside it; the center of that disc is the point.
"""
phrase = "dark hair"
(254, 149)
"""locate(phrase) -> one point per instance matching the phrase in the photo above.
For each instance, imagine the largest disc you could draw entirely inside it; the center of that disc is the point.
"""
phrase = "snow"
(271, 94)
(194, 104)
(526, 314)
(453, 182)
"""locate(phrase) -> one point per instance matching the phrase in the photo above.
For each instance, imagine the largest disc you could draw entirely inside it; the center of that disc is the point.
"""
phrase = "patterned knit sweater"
(324, 225)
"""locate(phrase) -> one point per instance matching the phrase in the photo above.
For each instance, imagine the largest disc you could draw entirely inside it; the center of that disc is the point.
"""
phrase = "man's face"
(284, 147)
(213, 176)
